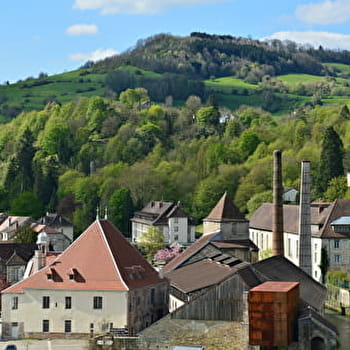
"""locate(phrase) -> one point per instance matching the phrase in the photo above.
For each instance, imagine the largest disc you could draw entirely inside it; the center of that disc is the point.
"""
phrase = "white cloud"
(97, 55)
(137, 6)
(82, 29)
(326, 39)
(325, 12)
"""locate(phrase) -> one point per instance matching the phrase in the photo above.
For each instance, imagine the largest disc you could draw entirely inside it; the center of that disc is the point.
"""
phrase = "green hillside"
(239, 71)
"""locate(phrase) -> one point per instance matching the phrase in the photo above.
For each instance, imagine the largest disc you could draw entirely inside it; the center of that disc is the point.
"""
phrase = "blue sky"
(54, 36)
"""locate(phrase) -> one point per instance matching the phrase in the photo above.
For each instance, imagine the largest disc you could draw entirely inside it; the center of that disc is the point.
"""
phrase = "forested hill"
(277, 76)
(203, 56)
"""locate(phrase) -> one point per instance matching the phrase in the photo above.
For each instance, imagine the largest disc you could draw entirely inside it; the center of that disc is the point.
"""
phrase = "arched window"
(317, 343)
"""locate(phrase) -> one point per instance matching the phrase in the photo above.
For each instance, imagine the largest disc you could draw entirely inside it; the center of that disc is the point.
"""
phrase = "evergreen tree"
(331, 160)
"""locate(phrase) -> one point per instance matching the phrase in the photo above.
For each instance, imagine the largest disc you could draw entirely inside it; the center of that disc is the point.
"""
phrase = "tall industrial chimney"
(277, 216)
(305, 262)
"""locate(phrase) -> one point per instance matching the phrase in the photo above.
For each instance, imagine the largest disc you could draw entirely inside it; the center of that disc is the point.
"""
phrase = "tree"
(121, 209)
(26, 235)
(336, 189)
(27, 204)
(331, 160)
(151, 241)
(208, 116)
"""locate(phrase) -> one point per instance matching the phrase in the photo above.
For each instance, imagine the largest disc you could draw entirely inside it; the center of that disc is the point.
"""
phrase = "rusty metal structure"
(305, 262)
(277, 216)
(273, 310)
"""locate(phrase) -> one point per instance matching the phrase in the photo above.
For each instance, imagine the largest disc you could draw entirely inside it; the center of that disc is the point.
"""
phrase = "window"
(14, 303)
(67, 326)
(337, 259)
(315, 253)
(68, 302)
(176, 220)
(153, 292)
(176, 237)
(289, 247)
(46, 326)
(336, 244)
(97, 302)
(49, 276)
(46, 302)
(176, 228)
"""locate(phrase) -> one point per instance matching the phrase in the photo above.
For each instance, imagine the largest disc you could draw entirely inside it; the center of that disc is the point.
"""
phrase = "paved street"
(56, 344)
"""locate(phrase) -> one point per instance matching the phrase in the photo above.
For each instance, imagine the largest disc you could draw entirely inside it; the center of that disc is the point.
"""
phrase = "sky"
(54, 36)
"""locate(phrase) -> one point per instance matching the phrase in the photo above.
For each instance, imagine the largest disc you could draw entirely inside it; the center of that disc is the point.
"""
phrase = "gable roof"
(13, 223)
(190, 251)
(55, 220)
(225, 210)
(321, 214)
(278, 268)
(101, 258)
(23, 250)
(158, 212)
(202, 274)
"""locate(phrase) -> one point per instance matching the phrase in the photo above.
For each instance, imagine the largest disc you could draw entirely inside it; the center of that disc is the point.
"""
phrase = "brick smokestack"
(305, 219)
(277, 215)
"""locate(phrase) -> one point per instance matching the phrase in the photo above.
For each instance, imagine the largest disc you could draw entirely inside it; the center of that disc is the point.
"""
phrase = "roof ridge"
(111, 254)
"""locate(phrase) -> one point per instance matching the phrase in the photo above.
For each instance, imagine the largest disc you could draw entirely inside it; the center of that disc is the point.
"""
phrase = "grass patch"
(344, 68)
(295, 79)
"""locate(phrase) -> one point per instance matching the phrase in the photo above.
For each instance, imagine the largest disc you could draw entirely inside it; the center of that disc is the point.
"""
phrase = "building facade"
(98, 283)
(168, 218)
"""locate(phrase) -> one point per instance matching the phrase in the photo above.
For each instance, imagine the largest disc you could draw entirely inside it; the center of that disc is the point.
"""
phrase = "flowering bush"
(167, 254)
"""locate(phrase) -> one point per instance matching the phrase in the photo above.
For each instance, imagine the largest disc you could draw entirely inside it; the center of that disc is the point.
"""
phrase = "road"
(55, 344)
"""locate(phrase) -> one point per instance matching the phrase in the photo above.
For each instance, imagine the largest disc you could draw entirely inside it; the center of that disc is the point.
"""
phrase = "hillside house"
(168, 217)
(99, 282)
(330, 229)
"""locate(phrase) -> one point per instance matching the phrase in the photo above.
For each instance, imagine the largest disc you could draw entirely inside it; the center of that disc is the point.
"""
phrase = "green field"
(226, 84)
(295, 79)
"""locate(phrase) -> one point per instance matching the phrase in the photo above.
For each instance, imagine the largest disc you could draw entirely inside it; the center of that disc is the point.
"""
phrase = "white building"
(100, 282)
(330, 229)
(169, 218)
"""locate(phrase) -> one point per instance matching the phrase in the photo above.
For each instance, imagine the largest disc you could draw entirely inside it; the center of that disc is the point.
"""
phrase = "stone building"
(330, 229)
(99, 282)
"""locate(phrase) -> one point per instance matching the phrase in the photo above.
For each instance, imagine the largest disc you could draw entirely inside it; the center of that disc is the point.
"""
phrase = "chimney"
(277, 215)
(305, 219)
(38, 260)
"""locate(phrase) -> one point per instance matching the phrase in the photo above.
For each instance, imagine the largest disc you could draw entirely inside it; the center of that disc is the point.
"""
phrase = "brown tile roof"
(101, 258)
(236, 243)
(225, 210)
(24, 250)
(43, 228)
(321, 214)
(201, 274)
(191, 250)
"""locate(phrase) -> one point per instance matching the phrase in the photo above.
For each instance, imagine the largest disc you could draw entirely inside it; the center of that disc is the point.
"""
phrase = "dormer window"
(49, 276)
(71, 277)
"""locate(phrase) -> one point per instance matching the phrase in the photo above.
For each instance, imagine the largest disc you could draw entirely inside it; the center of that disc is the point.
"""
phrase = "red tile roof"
(101, 258)
(272, 286)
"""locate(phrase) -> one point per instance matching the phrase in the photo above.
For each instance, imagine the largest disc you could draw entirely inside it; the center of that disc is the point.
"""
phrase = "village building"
(167, 217)
(13, 260)
(59, 223)
(58, 240)
(226, 304)
(330, 229)
(100, 282)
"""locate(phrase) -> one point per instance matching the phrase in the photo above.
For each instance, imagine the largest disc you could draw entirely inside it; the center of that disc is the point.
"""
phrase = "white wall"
(82, 313)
